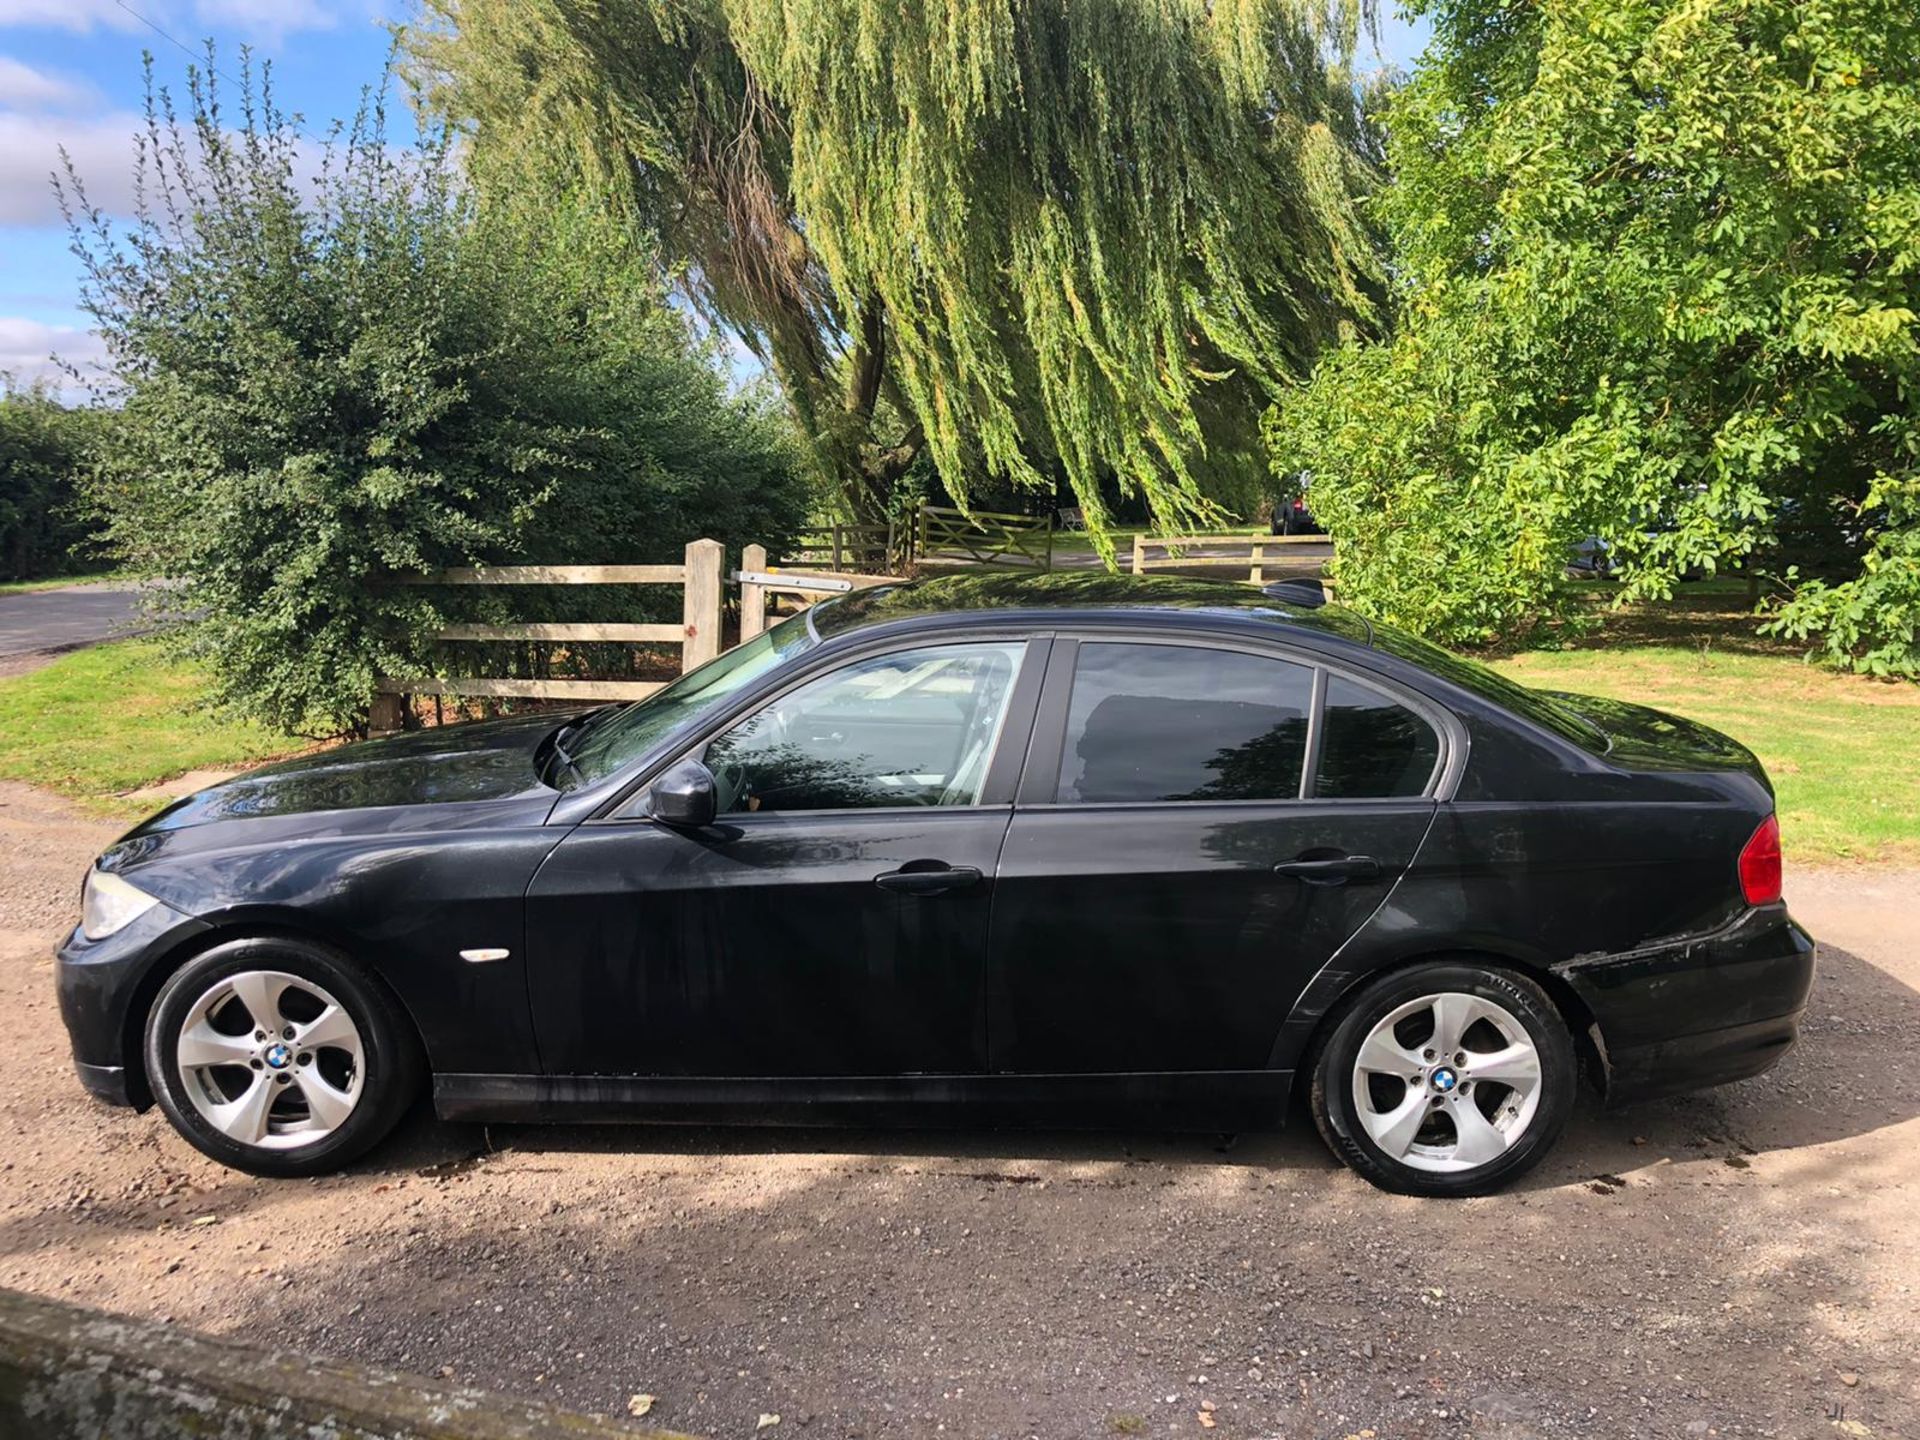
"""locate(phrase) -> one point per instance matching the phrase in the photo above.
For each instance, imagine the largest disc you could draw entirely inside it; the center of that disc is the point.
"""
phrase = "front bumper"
(1697, 1011)
(100, 983)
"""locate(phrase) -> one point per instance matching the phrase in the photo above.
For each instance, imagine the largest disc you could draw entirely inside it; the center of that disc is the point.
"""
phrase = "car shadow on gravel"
(1851, 1073)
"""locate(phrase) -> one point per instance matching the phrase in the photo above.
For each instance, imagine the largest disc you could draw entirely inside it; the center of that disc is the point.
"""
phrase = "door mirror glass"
(916, 727)
(685, 797)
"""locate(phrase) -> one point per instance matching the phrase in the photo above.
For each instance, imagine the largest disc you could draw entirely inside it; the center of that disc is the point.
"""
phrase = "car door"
(1201, 825)
(834, 920)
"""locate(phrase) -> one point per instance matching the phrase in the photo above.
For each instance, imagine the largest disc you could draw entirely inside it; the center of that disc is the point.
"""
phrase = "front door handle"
(929, 881)
(1336, 871)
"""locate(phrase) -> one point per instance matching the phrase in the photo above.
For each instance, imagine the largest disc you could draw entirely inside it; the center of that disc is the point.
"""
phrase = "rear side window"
(1372, 746)
(1179, 722)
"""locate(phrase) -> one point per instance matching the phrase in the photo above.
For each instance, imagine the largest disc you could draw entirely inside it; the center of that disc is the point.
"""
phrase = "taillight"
(1760, 864)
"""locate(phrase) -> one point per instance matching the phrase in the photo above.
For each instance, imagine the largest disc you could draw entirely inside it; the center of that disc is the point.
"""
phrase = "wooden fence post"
(387, 714)
(753, 598)
(702, 611)
(1139, 554)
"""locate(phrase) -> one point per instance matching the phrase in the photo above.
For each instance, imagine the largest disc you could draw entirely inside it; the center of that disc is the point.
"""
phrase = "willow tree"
(1010, 234)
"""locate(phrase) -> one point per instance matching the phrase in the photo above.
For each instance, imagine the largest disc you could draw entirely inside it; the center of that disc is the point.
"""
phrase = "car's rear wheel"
(279, 1057)
(1445, 1079)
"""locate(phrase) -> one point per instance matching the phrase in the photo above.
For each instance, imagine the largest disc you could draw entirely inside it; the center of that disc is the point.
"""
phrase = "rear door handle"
(1331, 872)
(928, 882)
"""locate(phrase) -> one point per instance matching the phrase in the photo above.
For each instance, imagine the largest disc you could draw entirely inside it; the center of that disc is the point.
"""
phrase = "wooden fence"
(1246, 552)
(698, 633)
(873, 548)
(983, 538)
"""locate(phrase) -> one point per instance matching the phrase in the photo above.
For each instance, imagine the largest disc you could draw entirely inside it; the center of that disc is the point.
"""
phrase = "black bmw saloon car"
(1152, 852)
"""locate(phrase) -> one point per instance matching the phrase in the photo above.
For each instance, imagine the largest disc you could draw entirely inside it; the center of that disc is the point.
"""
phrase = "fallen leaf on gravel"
(639, 1404)
(1205, 1417)
(767, 1422)
(1852, 1427)
(205, 1220)
(1849, 1379)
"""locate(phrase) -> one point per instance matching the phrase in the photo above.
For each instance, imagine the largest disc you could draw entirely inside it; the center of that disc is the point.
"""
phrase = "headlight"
(109, 903)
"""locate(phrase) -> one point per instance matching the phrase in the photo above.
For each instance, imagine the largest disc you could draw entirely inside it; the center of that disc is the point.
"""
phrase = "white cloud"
(26, 88)
(102, 151)
(264, 20)
(270, 20)
(28, 348)
(76, 15)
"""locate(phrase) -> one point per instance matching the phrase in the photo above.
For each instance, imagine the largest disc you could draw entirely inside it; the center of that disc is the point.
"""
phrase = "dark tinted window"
(1177, 722)
(1372, 745)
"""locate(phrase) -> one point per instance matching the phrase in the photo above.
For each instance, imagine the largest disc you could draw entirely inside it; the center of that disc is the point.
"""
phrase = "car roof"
(1067, 596)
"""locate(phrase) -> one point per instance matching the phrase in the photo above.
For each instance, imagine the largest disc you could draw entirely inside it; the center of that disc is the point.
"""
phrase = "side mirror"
(684, 797)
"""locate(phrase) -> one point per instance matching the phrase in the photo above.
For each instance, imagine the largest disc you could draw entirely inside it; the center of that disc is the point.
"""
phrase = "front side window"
(1372, 747)
(1180, 722)
(917, 727)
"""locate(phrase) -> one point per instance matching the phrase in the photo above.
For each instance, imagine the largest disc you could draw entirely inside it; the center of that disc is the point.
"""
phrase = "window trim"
(1003, 772)
(1046, 754)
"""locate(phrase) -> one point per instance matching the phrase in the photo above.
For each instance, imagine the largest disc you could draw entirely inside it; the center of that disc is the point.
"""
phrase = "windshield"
(605, 745)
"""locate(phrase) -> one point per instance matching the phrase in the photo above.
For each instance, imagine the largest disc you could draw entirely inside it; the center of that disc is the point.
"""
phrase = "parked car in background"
(1061, 849)
(1591, 559)
(1290, 513)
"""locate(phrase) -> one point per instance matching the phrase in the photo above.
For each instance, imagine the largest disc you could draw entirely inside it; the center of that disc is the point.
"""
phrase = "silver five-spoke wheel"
(1447, 1082)
(270, 1059)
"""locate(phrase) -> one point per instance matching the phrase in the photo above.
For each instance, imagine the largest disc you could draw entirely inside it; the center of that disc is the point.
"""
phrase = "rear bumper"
(1698, 1011)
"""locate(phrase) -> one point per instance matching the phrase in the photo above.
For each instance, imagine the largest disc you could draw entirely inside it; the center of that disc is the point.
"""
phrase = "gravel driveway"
(1740, 1263)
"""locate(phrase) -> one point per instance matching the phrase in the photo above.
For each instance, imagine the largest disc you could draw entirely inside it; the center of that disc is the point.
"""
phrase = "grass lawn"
(97, 723)
(1843, 750)
(58, 582)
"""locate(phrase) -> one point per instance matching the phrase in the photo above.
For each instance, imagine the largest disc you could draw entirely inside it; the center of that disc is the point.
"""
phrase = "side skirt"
(1196, 1100)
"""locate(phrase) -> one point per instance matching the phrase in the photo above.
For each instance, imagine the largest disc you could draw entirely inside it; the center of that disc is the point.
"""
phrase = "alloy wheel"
(271, 1060)
(1447, 1082)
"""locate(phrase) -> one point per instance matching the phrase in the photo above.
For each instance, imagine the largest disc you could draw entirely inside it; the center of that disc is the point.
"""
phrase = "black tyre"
(1447, 1078)
(280, 1057)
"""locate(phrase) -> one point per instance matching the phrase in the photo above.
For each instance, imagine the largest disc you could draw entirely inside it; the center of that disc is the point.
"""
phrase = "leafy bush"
(1659, 275)
(336, 367)
(44, 446)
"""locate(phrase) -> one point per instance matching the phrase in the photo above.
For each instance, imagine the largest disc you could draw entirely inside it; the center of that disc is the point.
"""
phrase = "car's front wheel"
(279, 1057)
(1445, 1079)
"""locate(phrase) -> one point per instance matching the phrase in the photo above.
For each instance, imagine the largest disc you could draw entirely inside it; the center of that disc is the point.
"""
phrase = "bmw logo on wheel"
(278, 1057)
(1444, 1079)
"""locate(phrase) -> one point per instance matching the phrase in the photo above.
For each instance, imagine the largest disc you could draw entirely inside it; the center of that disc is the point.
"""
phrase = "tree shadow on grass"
(1712, 615)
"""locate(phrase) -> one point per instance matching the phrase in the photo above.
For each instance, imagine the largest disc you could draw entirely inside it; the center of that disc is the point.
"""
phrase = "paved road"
(60, 619)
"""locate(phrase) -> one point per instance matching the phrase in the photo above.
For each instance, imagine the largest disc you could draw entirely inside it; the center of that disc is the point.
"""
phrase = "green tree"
(1011, 234)
(1657, 267)
(334, 366)
(44, 449)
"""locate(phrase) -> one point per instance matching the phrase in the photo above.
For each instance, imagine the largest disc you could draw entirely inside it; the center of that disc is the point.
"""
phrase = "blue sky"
(70, 75)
